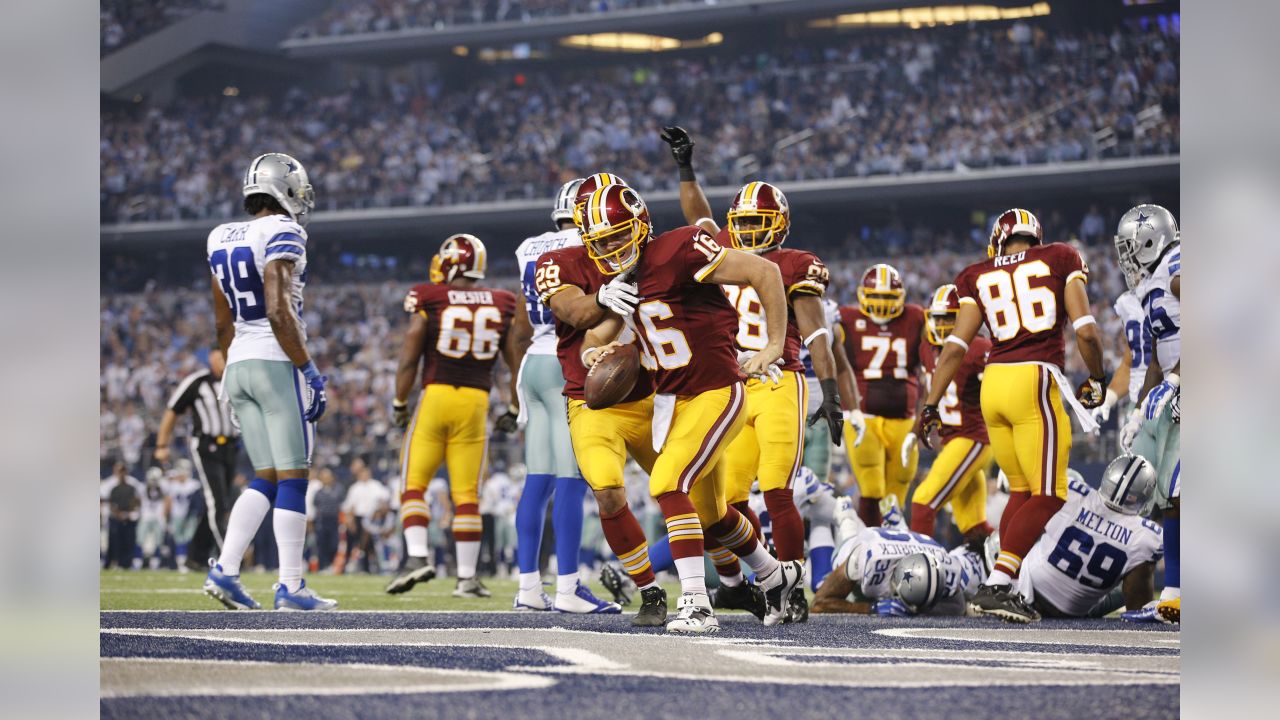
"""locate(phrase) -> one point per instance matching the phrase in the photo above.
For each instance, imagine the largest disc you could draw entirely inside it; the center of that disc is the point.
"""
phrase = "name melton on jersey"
(465, 332)
(961, 406)
(885, 358)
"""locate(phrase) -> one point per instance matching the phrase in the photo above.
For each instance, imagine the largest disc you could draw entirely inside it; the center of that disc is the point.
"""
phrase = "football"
(612, 378)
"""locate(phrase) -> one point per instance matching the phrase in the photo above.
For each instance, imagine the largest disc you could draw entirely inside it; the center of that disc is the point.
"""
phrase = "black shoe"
(416, 570)
(798, 608)
(746, 596)
(1000, 601)
(621, 586)
(653, 608)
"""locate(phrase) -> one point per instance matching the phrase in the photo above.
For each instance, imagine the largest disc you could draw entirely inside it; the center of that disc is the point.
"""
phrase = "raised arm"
(693, 202)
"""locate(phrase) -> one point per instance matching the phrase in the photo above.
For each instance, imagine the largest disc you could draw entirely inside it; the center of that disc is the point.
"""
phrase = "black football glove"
(400, 413)
(929, 421)
(681, 145)
(830, 411)
(1093, 391)
(506, 424)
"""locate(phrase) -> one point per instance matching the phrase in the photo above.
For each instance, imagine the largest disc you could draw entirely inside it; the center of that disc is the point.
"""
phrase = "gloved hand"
(891, 607)
(681, 145)
(1175, 408)
(619, 295)
(1091, 391)
(858, 422)
(930, 420)
(400, 413)
(506, 423)
(318, 401)
(1102, 413)
(830, 411)
(1160, 395)
(1129, 432)
(765, 365)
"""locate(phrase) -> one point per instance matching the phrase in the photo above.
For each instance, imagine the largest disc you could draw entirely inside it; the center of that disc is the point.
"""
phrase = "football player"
(817, 437)
(1150, 249)
(1131, 373)
(259, 269)
(958, 475)
(1027, 292)
(548, 451)
(456, 330)
(816, 501)
(883, 335)
(1097, 553)
(700, 401)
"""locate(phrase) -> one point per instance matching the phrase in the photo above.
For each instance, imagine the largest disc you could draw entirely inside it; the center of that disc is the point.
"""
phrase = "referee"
(213, 444)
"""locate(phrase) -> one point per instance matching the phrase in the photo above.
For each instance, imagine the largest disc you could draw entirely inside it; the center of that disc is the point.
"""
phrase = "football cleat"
(304, 599)
(1170, 610)
(416, 570)
(471, 588)
(618, 583)
(798, 607)
(582, 602)
(746, 596)
(1144, 614)
(227, 589)
(694, 615)
(1000, 601)
(653, 608)
(536, 600)
(778, 586)
(891, 514)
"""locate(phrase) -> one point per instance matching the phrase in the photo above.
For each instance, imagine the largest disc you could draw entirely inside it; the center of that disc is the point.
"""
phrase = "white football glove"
(858, 422)
(619, 295)
(1160, 396)
(908, 443)
(1129, 432)
(772, 373)
(1102, 413)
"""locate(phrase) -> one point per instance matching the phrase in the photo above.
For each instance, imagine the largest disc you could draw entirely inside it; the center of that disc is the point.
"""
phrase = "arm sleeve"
(702, 255)
(1071, 265)
(288, 242)
(965, 289)
(1175, 263)
(805, 274)
(183, 395)
(550, 276)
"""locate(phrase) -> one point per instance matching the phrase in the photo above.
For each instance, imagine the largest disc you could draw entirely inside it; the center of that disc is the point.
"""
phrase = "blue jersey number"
(1093, 564)
(238, 274)
(1162, 326)
(1139, 336)
(539, 314)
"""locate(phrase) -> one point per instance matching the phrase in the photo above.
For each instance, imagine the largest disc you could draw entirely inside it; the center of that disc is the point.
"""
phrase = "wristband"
(816, 334)
(1082, 321)
(686, 173)
(397, 404)
(1173, 379)
(310, 371)
(955, 339)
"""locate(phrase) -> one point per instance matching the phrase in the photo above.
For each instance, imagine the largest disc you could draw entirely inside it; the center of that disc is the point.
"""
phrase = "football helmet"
(590, 185)
(1128, 484)
(462, 255)
(284, 179)
(940, 320)
(565, 196)
(917, 581)
(435, 274)
(615, 225)
(881, 294)
(759, 218)
(1013, 222)
(1142, 237)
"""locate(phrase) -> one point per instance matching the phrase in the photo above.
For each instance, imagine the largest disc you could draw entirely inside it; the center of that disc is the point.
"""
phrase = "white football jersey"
(238, 255)
(1162, 308)
(868, 559)
(1086, 550)
(544, 324)
(1137, 333)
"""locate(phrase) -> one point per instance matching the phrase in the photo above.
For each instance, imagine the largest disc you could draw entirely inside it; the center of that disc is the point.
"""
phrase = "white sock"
(760, 561)
(999, 577)
(291, 535)
(821, 537)
(246, 515)
(468, 557)
(415, 541)
(530, 582)
(1170, 593)
(692, 572)
(566, 584)
(733, 581)
(649, 585)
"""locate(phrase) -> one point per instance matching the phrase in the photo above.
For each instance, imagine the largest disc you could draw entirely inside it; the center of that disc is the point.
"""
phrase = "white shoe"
(694, 615)
(778, 586)
(582, 602)
(532, 600)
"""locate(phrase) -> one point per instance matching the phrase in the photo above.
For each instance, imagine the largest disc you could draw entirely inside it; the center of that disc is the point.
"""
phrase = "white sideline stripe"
(1022, 636)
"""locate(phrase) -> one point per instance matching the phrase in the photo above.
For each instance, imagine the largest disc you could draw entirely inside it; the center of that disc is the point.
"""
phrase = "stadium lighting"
(931, 16)
(230, 91)
(637, 42)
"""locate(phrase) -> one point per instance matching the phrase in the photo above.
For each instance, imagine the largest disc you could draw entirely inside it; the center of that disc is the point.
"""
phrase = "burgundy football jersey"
(1021, 299)
(571, 267)
(687, 325)
(465, 331)
(961, 405)
(802, 273)
(885, 359)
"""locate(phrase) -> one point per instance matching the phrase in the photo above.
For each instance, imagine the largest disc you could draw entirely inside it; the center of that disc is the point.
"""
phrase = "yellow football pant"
(449, 427)
(771, 444)
(877, 462)
(702, 427)
(1029, 429)
(602, 438)
(958, 476)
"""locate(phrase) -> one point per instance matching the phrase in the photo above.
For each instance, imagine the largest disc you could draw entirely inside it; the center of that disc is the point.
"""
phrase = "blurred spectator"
(124, 21)
(327, 504)
(498, 498)
(1093, 227)
(152, 520)
(121, 493)
(366, 505)
(181, 489)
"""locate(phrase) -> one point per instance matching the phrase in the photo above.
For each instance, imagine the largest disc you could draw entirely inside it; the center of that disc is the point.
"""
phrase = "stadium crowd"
(947, 99)
(121, 22)
(346, 17)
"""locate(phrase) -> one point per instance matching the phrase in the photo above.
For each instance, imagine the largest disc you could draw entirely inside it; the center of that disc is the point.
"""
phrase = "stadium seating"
(122, 22)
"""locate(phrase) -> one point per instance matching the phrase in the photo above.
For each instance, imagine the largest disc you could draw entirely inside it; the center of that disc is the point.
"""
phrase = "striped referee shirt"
(198, 392)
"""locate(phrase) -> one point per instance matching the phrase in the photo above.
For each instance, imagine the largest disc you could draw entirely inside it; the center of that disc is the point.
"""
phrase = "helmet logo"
(1144, 219)
(633, 201)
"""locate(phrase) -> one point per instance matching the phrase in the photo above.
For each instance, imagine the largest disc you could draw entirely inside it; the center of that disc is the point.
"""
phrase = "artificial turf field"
(168, 651)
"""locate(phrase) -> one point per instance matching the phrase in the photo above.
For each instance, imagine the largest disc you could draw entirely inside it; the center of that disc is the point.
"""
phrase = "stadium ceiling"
(1011, 185)
(399, 45)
